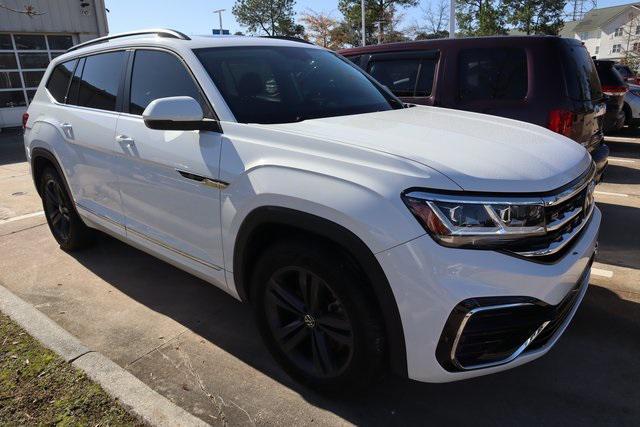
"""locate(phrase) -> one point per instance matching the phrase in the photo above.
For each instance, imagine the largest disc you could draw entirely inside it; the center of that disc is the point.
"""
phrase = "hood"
(478, 152)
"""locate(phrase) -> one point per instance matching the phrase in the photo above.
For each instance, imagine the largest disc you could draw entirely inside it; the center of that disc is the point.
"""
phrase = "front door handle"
(125, 140)
(67, 129)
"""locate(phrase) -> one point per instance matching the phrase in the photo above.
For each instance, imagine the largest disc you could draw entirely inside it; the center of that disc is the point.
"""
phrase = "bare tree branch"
(29, 10)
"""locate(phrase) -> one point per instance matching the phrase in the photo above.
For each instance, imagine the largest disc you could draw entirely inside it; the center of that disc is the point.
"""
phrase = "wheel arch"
(264, 222)
(40, 159)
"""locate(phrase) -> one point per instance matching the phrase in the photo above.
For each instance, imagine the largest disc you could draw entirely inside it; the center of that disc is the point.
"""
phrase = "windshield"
(274, 84)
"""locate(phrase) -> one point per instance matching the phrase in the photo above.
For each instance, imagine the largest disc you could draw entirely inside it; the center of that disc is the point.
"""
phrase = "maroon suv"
(548, 81)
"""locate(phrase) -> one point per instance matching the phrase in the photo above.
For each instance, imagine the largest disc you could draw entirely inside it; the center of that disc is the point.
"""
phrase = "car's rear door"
(167, 178)
(410, 75)
(88, 123)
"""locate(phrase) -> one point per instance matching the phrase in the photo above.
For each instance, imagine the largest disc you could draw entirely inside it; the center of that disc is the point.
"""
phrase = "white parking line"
(606, 193)
(602, 273)
(18, 218)
(618, 159)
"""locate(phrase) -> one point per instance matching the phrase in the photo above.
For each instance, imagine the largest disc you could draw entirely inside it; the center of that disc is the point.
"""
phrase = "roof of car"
(177, 42)
(425, 44)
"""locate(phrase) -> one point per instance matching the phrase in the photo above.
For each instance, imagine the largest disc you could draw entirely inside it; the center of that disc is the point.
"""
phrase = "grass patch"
(39, 388)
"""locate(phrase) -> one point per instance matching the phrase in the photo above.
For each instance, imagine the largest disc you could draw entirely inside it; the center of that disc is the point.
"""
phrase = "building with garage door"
(32, 32)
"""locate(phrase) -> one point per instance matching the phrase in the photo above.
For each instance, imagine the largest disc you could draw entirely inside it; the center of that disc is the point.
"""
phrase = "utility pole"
(364, 36)
(452, 19)
(219, 12)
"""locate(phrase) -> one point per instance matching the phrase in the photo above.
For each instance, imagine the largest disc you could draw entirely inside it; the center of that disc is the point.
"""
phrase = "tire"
(65, 224)
(333, 342)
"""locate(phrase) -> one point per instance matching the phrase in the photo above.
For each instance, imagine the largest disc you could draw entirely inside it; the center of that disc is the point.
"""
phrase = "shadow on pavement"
(589, 377)
(619, 174)
(619, 240)
(11, 147)
(629, 150)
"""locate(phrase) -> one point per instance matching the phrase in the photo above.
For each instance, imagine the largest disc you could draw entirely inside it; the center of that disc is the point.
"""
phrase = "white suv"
(367, 235)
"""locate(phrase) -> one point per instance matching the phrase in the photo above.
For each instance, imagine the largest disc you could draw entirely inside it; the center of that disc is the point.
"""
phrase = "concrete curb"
(135, 395)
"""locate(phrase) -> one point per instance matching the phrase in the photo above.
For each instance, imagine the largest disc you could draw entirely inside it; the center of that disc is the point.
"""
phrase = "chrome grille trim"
(556, 225)
(566, 238)
(579, 185)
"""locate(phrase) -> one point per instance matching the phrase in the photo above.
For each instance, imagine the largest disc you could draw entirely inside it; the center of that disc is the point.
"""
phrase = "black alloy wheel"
(309, 323)
(317, 315)
(57, 210)
(65, 224)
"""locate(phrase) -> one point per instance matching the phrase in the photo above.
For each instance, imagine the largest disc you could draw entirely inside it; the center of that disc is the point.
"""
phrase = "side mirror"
(177, 113)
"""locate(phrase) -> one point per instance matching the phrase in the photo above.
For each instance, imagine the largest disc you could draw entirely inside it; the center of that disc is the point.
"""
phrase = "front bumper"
(429, 281)
(600, 157)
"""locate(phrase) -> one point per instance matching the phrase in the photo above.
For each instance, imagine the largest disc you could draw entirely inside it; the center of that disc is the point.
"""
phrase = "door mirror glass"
(177, 113)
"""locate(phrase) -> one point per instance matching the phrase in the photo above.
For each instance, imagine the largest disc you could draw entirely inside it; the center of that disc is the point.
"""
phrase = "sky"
(196, 17)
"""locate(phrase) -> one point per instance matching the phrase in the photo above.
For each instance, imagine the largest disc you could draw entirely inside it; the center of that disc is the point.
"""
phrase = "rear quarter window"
(580, 74)
(59, 81)
(492, 74)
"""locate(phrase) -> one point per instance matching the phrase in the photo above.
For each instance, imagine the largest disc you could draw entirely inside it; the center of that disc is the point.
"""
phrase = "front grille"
(566, 213)
(490, 331)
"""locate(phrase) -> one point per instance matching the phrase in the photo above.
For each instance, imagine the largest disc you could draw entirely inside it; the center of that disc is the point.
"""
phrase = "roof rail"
(158, 31)
(290, 38)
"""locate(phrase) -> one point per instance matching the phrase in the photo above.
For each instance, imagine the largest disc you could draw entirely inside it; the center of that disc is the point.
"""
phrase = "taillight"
(561, 121)
(25, 119)
(614, 90)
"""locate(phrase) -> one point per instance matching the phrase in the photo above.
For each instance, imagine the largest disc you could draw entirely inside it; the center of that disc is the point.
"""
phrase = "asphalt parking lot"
(197, 346)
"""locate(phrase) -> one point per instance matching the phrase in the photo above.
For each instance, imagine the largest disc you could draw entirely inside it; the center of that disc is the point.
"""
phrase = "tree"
(630, 48)
(268, 17)
(436, 17)
(435, 22)
(481, 17)
(381, 11)
(320, 28)
(536, 16)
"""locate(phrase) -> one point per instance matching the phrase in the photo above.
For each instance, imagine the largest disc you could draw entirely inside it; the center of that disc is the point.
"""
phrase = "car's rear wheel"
(316, 316)
(65, 224)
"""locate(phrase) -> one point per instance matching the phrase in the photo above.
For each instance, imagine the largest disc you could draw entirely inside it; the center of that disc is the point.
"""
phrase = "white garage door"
(23, 61)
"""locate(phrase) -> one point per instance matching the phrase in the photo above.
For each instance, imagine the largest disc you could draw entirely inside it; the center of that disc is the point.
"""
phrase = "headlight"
(476, 221)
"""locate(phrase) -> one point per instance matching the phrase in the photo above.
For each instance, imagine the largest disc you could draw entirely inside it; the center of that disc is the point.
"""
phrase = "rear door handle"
(67, 129)
(125, 140)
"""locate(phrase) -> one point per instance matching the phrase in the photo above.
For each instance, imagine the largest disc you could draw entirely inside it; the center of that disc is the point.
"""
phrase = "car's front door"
(167, 178)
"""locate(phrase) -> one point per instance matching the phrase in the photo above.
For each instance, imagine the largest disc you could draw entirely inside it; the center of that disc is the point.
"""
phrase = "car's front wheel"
(317, 317)
(65, 224)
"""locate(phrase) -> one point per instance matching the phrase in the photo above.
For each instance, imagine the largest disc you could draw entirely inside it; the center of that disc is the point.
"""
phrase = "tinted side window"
(100, 80)
(59, 81)
(159, 75)
(425, 80)
(355, 59)
(492, 74)
(74, 87)
(398, 75)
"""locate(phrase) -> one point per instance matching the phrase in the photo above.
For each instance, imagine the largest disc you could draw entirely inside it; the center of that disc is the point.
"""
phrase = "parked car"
(631, 106)
(547, 81)
(627, 75)
(614, 89)
(367, 236)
